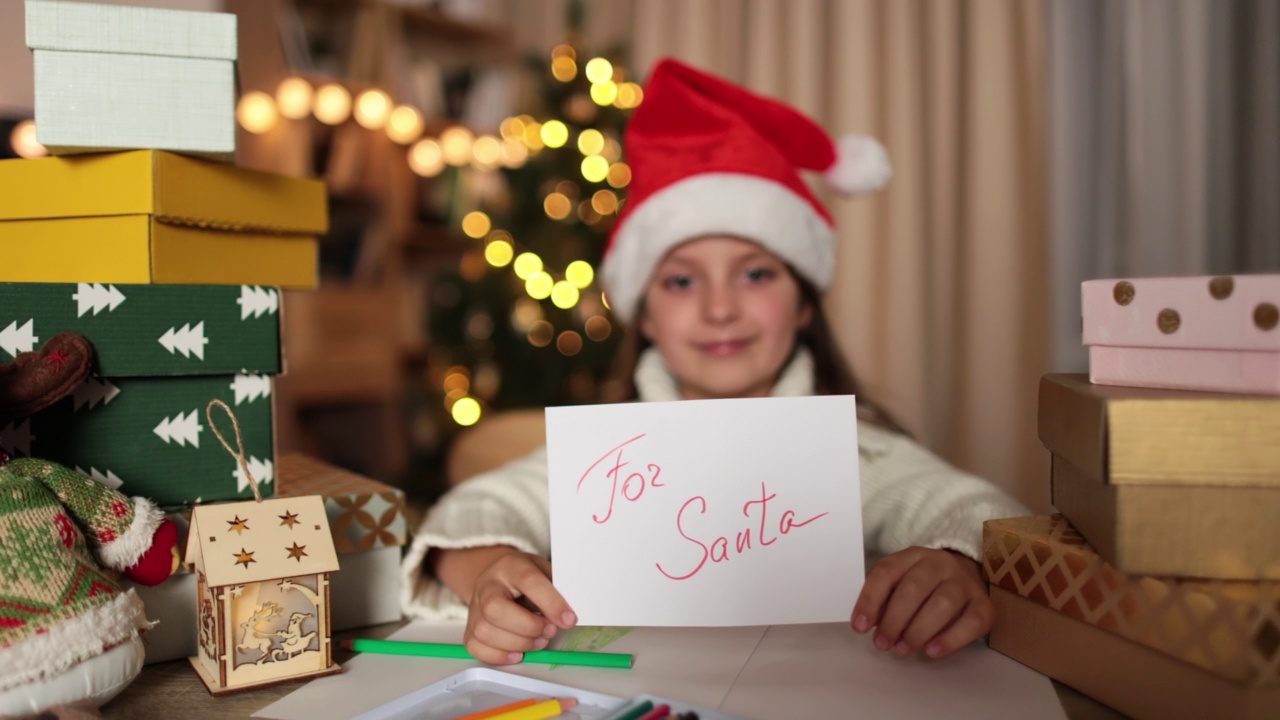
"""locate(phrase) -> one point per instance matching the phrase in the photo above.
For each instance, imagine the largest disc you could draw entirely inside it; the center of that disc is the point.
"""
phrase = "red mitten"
(160, 560)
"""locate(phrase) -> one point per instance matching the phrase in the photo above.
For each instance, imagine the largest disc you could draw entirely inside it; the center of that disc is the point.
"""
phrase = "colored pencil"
(538, 711)
(448, 650)
(635, 712)
(657, 713)
(488, 714)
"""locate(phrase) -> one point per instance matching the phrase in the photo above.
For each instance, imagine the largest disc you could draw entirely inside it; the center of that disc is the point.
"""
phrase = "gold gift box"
(1229, 628)
(1167, 482)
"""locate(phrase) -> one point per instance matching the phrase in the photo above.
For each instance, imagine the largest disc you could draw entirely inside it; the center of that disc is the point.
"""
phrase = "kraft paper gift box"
(162, 352)
(156, 217)
(110, 77)
(1151, 647)
(367, 519)
(1193, 333)
(1167, 482)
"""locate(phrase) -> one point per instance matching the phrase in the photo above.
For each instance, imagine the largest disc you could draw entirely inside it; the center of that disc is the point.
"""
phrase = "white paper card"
(707, 513)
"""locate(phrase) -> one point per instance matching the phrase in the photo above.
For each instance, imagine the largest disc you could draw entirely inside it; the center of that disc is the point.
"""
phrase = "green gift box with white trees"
(162, 353)
(151, 436)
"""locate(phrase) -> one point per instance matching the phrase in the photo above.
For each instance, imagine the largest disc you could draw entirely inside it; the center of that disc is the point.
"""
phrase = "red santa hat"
(712, 158)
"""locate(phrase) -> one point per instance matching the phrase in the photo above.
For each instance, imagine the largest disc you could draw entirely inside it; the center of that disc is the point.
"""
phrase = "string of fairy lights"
(519, 138)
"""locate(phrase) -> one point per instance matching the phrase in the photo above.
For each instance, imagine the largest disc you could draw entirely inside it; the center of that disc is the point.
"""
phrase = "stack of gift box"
(142, 237)
(1157, 588)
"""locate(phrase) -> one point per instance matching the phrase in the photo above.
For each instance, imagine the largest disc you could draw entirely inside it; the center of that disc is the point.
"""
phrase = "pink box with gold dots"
(1219, 333)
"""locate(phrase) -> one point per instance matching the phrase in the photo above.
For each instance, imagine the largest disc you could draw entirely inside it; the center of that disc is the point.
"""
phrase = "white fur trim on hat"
(74, 639)
(746, 206)
(861, 165)
(125, 551)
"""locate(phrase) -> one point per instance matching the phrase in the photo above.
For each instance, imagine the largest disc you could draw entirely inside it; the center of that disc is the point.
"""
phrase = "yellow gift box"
(150, 216)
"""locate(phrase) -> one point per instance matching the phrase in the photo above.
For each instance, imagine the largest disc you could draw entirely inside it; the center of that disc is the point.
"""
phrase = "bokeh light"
(373, 106)
(256, 112)
(294, 97)
(332, 104)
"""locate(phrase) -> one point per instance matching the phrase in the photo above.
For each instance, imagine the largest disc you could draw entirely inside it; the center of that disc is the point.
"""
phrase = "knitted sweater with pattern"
(910, 497)
(58, 530)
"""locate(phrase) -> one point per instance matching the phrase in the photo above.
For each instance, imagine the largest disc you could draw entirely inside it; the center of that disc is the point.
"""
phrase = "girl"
(717, 265)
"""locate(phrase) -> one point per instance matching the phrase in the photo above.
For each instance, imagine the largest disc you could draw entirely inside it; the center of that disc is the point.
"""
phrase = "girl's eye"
(760, 274)
(677, 282)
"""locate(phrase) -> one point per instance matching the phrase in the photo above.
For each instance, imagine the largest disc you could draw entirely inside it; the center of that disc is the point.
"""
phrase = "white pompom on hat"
(711, 158)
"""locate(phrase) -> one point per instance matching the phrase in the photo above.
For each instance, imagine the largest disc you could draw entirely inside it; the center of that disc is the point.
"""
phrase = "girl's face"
(724, 313)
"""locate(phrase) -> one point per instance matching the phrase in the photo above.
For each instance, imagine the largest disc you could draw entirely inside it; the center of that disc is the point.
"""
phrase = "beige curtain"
(940, 297)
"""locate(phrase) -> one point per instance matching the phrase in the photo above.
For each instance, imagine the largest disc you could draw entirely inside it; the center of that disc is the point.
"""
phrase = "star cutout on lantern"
(238, 525)
(244, 558)
(288, 518)
(296, 553)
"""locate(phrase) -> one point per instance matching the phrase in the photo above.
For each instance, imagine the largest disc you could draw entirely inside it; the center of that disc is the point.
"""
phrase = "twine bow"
(238, 455)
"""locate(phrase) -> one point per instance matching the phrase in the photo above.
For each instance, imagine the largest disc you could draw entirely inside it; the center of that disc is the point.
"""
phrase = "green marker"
(459, 652)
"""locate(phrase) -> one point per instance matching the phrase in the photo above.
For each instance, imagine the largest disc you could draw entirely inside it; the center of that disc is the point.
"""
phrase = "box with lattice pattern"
(1230, 628)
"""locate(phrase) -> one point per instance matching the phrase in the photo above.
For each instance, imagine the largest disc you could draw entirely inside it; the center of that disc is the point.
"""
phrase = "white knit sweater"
(909, 497)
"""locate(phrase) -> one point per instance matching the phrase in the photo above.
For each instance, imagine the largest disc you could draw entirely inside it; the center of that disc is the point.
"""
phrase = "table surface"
(171, 689)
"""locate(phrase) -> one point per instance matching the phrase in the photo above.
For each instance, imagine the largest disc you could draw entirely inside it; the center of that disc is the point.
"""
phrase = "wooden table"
(171, 689)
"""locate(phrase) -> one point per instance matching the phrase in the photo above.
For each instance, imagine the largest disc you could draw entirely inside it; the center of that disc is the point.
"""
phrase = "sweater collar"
(655, 383)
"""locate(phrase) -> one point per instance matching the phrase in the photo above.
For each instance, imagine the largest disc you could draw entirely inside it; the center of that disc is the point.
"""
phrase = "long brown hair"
(831, 372)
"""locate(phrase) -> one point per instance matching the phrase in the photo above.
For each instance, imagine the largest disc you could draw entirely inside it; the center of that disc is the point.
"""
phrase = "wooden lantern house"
(262, 572)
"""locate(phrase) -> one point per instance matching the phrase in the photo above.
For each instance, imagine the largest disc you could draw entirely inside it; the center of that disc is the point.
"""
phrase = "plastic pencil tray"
(482, 688)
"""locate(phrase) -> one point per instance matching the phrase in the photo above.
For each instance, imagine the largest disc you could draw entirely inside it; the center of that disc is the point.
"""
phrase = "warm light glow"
(426, 158)
(372, 108)
(332, 104)
(533, 136)
(612, 150)
(569, 343)
(554, 133)
(564, 69)
(539, 286)
(471, 266)
(630, 95)
(598, 328)
(541, 333)
(564, 295)
(524, 313)
(456, 381)
(568, 188)
(590, 142)
(404, 125)
(587, 213)
(456, 144)
(476, 224)
(512, 127)
(557, 206)
(619, 175)
(498, 253)
(599, 70)
(466, 411)
(604, 299)
(293, 98)
(256, 112)
(514, 152)
(604, 93)
(579, 273)
(23, 141)
(604, 201)
(487, 151)
(595, 168)
(527, 265)
(563, 50)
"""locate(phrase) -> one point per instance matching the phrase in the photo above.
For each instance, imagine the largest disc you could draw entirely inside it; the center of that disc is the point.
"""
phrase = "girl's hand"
(502, 622)
(921, 598)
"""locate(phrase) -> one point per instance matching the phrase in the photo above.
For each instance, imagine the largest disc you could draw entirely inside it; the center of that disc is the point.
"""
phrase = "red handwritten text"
(718, 550)
(633, 485)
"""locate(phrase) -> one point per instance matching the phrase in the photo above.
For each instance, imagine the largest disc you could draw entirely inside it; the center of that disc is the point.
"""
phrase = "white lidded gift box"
(111, 78)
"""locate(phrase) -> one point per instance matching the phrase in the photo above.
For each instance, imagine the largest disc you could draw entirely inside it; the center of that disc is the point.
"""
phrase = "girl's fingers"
(971, 625)
(938, 612)
(876, 591)
(904, 602)
(505, 640)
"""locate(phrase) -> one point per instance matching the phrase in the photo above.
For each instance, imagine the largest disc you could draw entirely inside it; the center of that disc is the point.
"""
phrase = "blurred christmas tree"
(521, 321)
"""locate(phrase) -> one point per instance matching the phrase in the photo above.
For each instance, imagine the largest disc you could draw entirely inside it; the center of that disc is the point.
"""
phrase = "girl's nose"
(720, 303)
